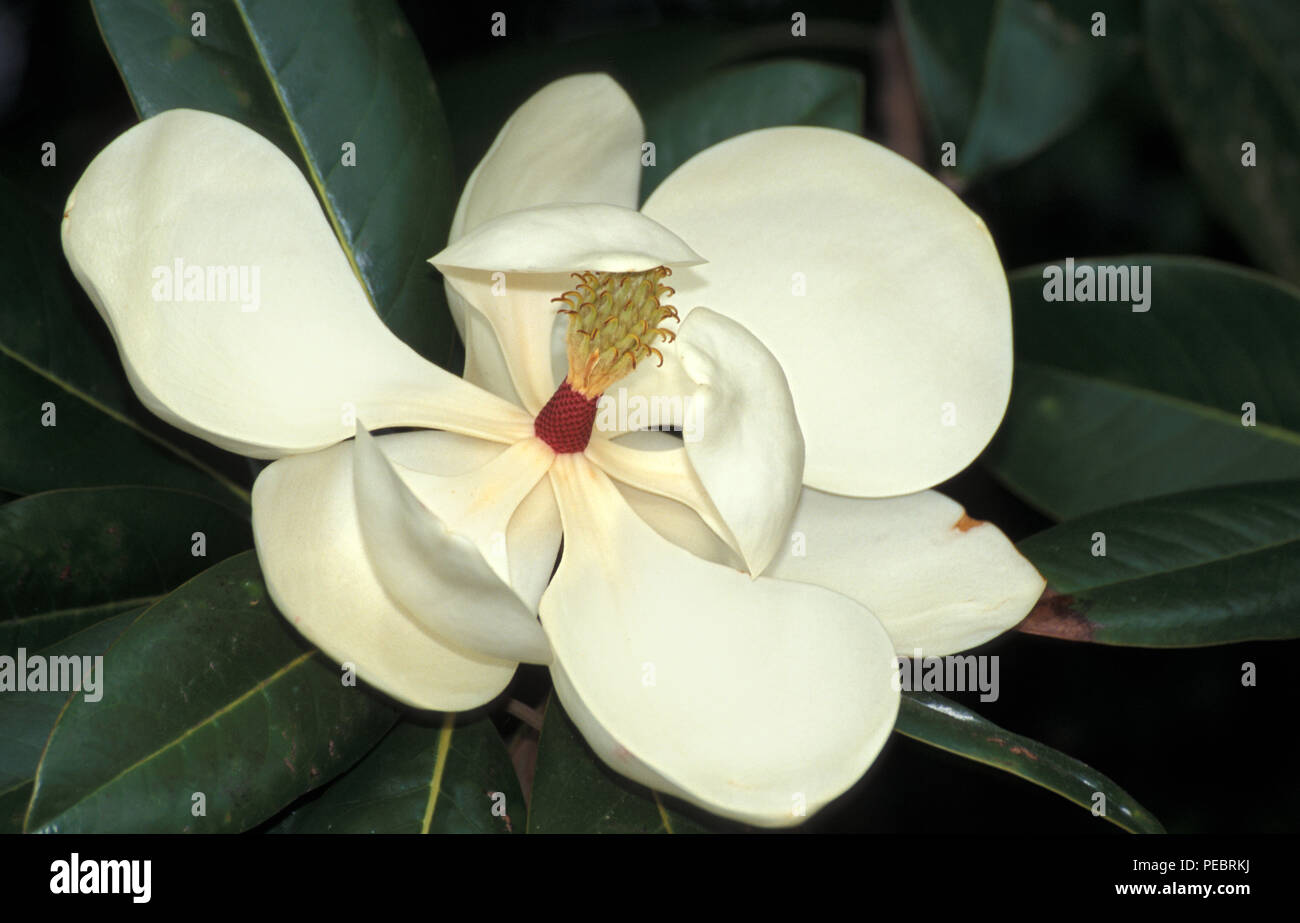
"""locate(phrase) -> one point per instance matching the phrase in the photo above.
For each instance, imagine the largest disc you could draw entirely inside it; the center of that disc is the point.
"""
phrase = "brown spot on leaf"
(966, 523)
(1025, 753)
(1059, 615)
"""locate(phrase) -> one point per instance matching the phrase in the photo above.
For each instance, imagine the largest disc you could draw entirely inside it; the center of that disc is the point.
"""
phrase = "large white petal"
(751, 698)
(203, 193)
(444, 559)
(899, 351)
(937, 579)
(309, 545)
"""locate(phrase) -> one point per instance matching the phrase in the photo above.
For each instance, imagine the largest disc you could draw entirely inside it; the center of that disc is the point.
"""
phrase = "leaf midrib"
(206, 722)
(124, 420)
(313, 168)
(1215, 415)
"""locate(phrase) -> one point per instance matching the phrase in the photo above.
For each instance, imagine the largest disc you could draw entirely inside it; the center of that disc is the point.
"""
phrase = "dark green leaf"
(70, 558)
(1229, 74)
(449, 779)
(65, 407)
(735, 100)
(1209, 567)
(13, 805)
(1004, 78)
(209, 691)
(574, 792)
(312, 79)
(27, 717)
(1111, 405)
(949, 725)
(664, 62)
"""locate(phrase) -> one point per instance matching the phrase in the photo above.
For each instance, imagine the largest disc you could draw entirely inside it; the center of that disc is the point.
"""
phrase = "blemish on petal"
(966, 523)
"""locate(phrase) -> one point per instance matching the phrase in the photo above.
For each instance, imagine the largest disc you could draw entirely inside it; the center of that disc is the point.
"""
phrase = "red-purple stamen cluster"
(565, 422)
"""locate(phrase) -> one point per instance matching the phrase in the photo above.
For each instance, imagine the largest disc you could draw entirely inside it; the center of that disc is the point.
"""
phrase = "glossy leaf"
(1228, 74)
(343, 72)
(71, 558)
(1004, 78)
(211, 692)
(735, 100)
(66, 410)
(453, 778)
(27, 717)
(948, 725)
(1214, 566)
(1109, 405)
(574, 792)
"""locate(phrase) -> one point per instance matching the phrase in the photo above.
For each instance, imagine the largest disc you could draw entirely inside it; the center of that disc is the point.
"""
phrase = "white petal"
(518, 309)
(445, 563)
(430, 463)
(316, 569)
(567, 237)
(681, 525)
(747, 451)
(283, 364)
(728, 395)
(750, 698)
(937, 579)
(485, 363)
(664, 470)
(899, 352)
(575, 140)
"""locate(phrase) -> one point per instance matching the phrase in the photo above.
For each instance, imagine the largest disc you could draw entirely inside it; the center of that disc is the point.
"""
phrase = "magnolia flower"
(724, 621)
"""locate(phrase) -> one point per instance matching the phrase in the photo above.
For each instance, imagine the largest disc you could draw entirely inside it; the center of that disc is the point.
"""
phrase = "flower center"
(614, 320)
(565, 422)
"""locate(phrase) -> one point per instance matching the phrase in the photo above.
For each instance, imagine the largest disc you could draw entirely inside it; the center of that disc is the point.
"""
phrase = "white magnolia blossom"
(725, 617)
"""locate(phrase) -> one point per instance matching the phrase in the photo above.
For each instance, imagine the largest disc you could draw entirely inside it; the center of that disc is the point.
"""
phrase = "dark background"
(1175, 728)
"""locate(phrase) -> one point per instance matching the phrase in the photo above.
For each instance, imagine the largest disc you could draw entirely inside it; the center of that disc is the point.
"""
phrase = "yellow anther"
(607, 312)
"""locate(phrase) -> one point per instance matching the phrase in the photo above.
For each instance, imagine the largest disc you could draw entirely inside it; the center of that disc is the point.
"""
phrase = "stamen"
(614, 320)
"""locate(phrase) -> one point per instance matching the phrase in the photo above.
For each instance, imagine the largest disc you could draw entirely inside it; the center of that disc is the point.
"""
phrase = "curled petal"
(566, 237)
(740, 464)
(759, 700)
(577, 139)
(445, 562)
(879, 292)
(310, 548)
